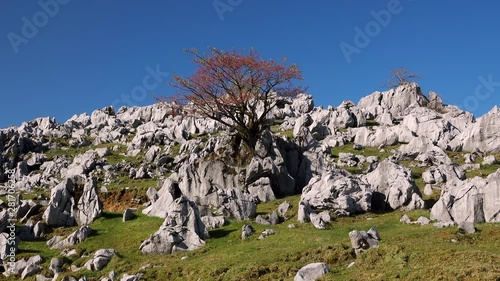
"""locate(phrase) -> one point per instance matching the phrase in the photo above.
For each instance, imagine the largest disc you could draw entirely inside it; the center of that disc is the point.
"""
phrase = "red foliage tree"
(236, 89)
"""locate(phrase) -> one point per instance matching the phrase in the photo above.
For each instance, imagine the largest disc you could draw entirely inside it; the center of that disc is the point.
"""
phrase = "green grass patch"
(409, 252)
(365, 151)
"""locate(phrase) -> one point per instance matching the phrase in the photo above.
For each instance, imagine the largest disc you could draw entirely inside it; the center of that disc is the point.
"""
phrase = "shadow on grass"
(220, 233)
(108, 215)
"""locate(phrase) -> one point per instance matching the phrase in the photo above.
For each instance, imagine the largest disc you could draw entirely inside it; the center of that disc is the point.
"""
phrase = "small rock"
(291, 226)
(260, 220)
(283, 208)
(30, 270)
(127, 277)
(128, 215)
(184, 258)
(56, 265)
(489, 160)
(112, 275)
(274, 219)
(351, 264)
(312, 271)
(100, 260)
(357, 147)
(102, 152)
(266, 233)
(362, 241)
(68, 252)
(405, 219)
(246, 231)
(423, 221)
(40, 277)
(466, 227)
(454, 241)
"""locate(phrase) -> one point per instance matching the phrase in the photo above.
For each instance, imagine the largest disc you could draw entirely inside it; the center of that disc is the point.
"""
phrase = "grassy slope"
(410, 252)
(407, 252)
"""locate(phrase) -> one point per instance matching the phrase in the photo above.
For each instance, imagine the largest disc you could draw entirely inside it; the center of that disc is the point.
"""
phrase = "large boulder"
(380, 136)
(424, 150)
(393, 187)
(303, 103)
(182, 230)
(473, 200)
(166, 196)
(397, 101)
(428, 123)
(338, 191)
(484, 134)
(73, 202)
(443, 173)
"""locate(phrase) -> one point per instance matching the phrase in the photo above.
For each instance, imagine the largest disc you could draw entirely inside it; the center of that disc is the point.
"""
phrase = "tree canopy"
(237, 89)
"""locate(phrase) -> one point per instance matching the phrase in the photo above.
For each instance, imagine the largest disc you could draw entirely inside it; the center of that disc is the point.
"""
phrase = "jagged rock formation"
(472, 200)
(199, 166)
(182, 230)
(73, 202)
(338, 191)
(393, 187)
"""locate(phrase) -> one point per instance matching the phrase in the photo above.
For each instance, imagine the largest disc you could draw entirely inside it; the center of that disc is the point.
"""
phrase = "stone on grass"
(362, 241)
(100, 260)
(405, 219)
(423, 221)
(466, 227)
(246, 231)
(182, 230)
(266, 233)
(312, 272)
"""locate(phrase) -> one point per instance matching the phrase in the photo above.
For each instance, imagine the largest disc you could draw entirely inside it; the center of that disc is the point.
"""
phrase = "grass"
(365, 151)
(371, 123)
(409, 252)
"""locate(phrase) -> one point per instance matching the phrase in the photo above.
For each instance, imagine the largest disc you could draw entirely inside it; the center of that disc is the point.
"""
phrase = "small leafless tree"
(401, 76)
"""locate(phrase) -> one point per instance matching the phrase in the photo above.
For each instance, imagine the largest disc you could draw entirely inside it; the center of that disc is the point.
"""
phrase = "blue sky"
(84, 55)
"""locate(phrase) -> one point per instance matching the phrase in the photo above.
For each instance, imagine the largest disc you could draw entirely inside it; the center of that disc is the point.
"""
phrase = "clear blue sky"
(84, 55)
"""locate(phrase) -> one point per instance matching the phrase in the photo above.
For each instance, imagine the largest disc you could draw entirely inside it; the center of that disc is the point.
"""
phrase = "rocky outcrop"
(338, 191)
(393, 187)
(380, 136)
(396, 101)
(182, 230)
(73, 202)
(484, 134)
(473, 200)
(428, 123)
(303, 103)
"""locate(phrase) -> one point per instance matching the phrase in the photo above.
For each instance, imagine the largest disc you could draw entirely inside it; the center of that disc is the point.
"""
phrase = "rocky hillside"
(77, 198)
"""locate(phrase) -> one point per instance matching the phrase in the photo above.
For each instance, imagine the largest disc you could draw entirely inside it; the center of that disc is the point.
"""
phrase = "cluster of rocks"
(202, 183)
